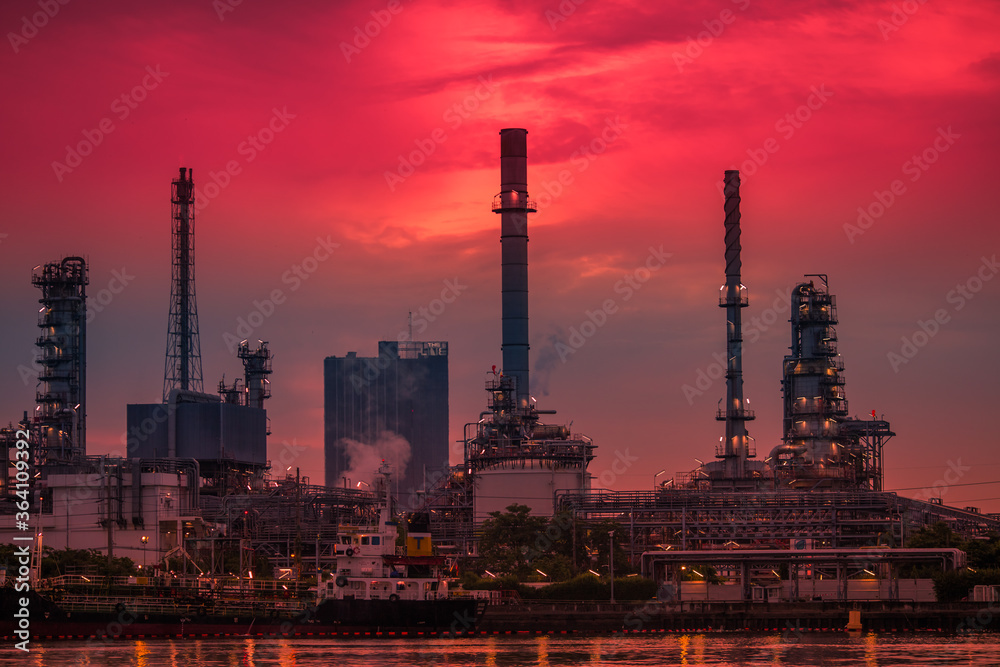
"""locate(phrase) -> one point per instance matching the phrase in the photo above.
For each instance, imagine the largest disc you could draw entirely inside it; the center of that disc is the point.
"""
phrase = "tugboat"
(379, 586)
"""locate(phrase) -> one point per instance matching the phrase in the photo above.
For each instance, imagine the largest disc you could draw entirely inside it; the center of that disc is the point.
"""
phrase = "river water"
(826, 650)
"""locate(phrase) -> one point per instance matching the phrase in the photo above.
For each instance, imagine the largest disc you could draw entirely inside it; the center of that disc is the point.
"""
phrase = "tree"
(598, 543)
(507, 543)
(55, 563)
(981, 552)
(936, 536)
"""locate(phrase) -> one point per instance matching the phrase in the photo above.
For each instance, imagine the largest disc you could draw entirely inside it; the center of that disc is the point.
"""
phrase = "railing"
(741, 300)
(513, 200)
(739, 413)
(694, 500)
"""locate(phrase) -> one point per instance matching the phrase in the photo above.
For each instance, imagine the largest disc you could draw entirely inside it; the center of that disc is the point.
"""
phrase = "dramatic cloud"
(866, 135)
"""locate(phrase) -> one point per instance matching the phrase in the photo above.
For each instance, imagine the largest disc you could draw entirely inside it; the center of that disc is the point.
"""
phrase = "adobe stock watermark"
(958, 298)
(454, 116)
(122, 107)
(581, 159)
(629, 284)
(983, 619)
(706, 376)
(363, 36)
(223, 7)
(425, 316)
(96, 303)
(636, 620)
(419, 502)
(31, 25)
(289, 454)
(623, 461)
(901, 13)
(786, 126)
(249, 149)
(140, 432)
(563, 11)
(561, 523)
(29, 374)
(915, 167)
(713, 29)
(294, 277)
(951, 476)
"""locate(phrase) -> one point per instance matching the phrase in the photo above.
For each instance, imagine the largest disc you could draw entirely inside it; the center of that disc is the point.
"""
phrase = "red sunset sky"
(634, 110)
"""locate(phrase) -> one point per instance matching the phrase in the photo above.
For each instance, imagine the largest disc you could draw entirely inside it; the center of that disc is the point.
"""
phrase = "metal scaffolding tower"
(256, 368)
(183, 363)
(60, 418)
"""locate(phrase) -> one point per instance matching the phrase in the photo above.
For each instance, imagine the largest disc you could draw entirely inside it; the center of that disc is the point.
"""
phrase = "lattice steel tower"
(183, 364)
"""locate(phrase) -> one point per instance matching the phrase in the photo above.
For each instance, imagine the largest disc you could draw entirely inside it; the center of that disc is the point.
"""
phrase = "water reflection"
(870, 645)
(793, 650)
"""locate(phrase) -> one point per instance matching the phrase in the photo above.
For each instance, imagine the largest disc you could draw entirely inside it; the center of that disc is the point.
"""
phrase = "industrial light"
(593, 573)
(540, 572)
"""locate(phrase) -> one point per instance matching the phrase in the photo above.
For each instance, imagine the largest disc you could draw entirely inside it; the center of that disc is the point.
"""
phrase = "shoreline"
(562, 618)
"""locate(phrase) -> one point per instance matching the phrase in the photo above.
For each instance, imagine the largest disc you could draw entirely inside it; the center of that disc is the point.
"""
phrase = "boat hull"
(49, 620)
(446, 615)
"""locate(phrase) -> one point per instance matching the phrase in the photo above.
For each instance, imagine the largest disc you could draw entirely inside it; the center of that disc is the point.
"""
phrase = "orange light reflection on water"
(871, 648)
(288, 652)
(684, 641)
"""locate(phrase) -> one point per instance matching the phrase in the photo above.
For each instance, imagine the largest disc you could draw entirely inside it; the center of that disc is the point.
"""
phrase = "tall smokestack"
(513, 206)
(734, 298)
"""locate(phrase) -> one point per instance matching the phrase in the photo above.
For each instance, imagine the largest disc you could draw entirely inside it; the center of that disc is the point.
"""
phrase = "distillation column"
(61, 416)
(513, 206)
(813, 396)
(256, 368)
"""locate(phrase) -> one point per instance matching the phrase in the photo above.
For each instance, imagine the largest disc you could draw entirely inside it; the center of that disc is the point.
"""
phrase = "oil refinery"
(197, 487)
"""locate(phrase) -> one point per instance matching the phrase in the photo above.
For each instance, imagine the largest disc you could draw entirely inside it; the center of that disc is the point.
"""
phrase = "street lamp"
(611, 562)
(655, 476)
(145, 540)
